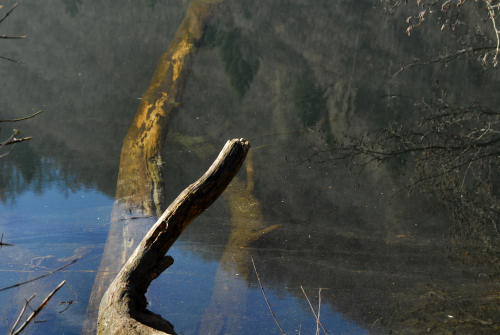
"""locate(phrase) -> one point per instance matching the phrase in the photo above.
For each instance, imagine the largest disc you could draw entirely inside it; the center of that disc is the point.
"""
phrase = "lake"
(294, 78)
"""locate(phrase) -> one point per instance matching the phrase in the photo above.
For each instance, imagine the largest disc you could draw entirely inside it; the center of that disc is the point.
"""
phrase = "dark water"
(290, 76)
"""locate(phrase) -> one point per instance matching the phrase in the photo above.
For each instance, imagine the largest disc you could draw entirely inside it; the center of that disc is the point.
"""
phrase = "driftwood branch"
(38, 309)
(21, 313)
(123, 306)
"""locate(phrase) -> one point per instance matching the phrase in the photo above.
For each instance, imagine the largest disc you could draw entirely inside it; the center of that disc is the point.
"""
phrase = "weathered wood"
(140, 186)
(123, 306)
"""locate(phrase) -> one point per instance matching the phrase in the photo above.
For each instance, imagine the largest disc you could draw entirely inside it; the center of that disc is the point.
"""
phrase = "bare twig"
(445, 58)
(313, 311)
(265, 297)
(11, 37)
(40, 277)
(2, 244)
(22, 118)
(38, 309)
(319, 311)
(14, 140)
(492, 15)
(26, 304)
(8, 12)
(8, 152)
(11, 60)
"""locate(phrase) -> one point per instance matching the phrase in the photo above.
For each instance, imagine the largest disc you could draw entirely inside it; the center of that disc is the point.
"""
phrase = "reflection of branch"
(40, 277)
(22, 118)
(38, 309)
(443, 59)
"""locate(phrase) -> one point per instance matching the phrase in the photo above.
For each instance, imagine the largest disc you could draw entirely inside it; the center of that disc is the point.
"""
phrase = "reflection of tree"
(140, 185)
(454, 15)
(455, 152)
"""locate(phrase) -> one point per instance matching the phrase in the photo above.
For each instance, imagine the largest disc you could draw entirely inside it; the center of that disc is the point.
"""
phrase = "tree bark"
(140, 185)
(123, 306)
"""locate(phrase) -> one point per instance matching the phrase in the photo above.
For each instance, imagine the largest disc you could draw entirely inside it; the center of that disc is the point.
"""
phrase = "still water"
(291, 77)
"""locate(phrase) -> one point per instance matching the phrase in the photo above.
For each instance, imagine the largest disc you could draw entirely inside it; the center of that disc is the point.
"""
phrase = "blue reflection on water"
(50, 228)
(183, 294)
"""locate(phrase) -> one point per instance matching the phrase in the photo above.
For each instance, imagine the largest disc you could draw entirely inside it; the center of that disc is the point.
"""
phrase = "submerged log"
(123, 306)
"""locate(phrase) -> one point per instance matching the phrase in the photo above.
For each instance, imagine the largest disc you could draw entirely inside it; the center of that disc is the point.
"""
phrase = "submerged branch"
(39, 277)
(38, 309)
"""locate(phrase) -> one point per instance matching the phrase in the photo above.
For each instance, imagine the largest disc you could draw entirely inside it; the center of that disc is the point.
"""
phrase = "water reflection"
(49, 229)
(291, 78)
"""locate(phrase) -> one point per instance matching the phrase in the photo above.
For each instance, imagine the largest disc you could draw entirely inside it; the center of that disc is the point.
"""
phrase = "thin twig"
(39, 309)
(8, 13)
(14, 140)
(22, 118)
(2, 244)
(8, 152)
(319, 311)
(443, 59)
(11, 37)
(265, 297)
(11, 60)
(26, 303)
(40, 277)
(313, 311)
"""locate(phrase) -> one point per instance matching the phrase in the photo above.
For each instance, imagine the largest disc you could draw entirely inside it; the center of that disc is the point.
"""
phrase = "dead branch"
(22, 118)
(13, 37)
(123, 306)
(265, 297)
(11, 60)
(2, 243)
(40, 277)
(14, 140)
(38, 309)
(444, 59)
(26, 303)
(316, 316)
(8, 13)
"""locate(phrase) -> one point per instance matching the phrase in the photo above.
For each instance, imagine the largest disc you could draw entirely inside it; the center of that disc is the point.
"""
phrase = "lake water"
(291, 77)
